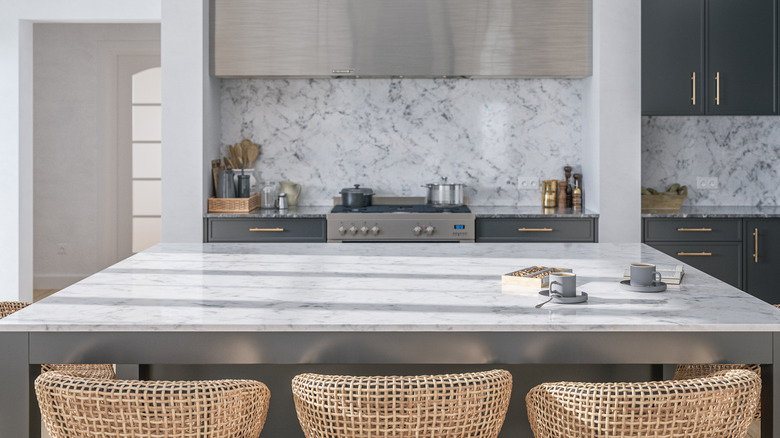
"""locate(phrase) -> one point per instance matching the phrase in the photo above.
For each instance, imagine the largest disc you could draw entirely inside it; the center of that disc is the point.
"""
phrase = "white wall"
(612, 128)
(75, 164)
(190, 119)
(16, 169)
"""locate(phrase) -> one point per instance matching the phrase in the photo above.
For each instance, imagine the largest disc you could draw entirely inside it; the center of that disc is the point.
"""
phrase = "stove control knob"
(364, 230)
(416, 231)
(429, 230)
(375, 230)
(353, 229)
(342, 229)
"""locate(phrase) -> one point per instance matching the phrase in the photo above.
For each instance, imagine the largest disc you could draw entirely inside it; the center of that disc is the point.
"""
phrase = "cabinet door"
(762, 261)
(266, 230)
(721, 260)
(741, 52)
(536, 230)
(672, 53)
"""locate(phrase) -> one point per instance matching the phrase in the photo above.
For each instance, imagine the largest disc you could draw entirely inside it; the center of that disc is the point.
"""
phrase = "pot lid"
(443, 183)
(356, 190)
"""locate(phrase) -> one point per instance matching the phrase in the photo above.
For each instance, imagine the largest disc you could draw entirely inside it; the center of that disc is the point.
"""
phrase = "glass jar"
(268, 192)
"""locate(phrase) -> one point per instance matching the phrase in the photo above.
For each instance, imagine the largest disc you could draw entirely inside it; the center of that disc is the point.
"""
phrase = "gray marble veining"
(383, 287)
(743, 152)
(393, 135)
(705, 211)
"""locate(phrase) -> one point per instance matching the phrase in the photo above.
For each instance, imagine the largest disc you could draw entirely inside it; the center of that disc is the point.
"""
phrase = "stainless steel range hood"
(401, 38)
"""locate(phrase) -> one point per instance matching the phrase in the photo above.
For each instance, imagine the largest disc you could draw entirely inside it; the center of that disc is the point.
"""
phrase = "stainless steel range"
(407, 219)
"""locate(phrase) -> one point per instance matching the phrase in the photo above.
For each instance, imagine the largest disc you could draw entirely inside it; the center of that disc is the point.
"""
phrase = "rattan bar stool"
(98, 370)
(75, 406)
(720, 405)
(692, 371)
(446, 405)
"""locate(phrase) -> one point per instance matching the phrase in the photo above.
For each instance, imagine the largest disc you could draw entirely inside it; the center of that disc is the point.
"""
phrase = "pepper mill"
(562, 194)
(577, 194)
(569, 190)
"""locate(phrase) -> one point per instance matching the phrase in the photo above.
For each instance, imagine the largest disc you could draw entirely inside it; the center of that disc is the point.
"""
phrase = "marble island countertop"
(383, 287)
(716, 212)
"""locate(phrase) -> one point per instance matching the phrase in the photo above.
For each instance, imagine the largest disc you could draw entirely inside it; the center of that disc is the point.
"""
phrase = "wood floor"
(39, 294)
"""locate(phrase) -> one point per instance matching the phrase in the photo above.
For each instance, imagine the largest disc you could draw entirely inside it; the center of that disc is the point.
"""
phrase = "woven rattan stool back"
(9, 307)
(692, 371)
(74, 406)
(720, 405)
(98, 371)
(447, 405)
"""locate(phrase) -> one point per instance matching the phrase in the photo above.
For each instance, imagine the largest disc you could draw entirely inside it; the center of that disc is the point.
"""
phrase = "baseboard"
(56, 281)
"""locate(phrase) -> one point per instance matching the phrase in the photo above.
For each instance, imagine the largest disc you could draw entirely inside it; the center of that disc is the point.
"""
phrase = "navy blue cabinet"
(715, 57)
(762, 259)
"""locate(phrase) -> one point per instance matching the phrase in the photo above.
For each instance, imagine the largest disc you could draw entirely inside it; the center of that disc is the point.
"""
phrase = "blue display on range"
(460, 227)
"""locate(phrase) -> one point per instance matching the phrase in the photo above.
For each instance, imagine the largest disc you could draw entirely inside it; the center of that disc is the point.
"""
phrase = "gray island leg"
(16, 403)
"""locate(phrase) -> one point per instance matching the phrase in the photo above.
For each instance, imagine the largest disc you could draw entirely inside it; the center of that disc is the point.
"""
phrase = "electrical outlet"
(707, 182)
(527, 183)
(62, 248)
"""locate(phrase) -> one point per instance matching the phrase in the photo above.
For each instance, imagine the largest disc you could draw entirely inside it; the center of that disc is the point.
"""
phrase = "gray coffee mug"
(643, 274)
(563, 284)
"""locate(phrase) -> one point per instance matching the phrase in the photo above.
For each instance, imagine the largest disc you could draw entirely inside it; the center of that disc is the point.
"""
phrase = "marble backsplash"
(393, 135)
(743, 152)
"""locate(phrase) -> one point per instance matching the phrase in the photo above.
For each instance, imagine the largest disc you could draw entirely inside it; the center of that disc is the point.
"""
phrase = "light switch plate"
(527, 183)
(707, 182)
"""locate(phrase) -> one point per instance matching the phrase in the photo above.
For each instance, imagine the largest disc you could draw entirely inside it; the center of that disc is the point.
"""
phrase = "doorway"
(96, 94)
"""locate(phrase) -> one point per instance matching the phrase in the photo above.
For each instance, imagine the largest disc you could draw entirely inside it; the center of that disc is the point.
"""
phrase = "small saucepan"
(445, 194)
(356, 197)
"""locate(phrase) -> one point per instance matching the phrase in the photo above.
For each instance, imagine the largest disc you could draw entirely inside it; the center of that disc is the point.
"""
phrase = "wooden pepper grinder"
(562, 194)
(569, 190)
(577, 194)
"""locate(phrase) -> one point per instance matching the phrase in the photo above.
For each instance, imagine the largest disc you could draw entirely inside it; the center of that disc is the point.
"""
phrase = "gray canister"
(226, 188)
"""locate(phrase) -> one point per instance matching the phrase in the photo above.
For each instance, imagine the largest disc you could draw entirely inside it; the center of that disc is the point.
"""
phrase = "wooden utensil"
(252, 151)
(215, 164)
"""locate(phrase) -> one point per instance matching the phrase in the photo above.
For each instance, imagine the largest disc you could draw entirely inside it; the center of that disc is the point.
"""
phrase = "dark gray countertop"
(481, 211)
(497, 212)
(736, 211)
(292, 212)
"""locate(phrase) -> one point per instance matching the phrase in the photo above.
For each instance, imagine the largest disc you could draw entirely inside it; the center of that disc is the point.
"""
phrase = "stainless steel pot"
(445, 194)
(356, 197)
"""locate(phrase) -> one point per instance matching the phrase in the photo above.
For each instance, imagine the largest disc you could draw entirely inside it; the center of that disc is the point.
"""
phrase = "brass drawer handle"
(274, 230)
(694, 253)
(694, 229)
(717, 88)
(693, 86)
(534, 229)
(755, 253)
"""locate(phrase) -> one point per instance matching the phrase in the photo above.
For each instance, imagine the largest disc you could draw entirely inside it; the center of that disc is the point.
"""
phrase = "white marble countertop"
(383, 287)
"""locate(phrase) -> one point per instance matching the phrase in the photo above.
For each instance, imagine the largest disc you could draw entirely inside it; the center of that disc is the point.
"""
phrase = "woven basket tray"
(234, 205)
(665, 201)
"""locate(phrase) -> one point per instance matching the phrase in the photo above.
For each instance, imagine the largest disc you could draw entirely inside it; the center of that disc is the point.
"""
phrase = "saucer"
(581, 297)
(656, 287)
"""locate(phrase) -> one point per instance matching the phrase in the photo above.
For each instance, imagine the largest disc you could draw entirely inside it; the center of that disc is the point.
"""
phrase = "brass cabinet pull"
(694, 253)
(694, 229)
(534, 229)
(693, 84)
(755, 252)
(273, 230)
(717, 88)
